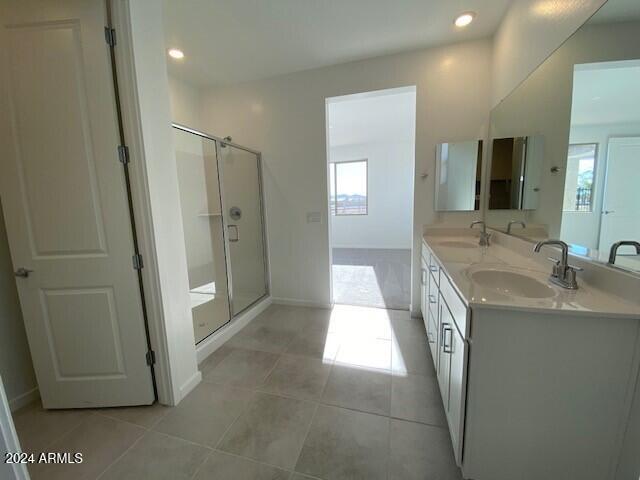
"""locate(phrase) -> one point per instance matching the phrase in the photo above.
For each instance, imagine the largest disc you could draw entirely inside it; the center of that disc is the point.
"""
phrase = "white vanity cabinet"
(445, 317)
(429, 298)
(531, 390)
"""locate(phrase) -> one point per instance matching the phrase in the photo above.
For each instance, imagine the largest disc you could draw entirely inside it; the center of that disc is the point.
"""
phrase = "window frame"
(596, 151)
(334, 209)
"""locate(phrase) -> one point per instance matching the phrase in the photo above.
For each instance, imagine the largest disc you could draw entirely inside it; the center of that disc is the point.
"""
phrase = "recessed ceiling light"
(464, 19)
(176, 53)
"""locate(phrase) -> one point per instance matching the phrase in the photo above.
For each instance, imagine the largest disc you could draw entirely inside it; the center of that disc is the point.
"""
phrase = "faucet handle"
(577, 269)
(554, 260)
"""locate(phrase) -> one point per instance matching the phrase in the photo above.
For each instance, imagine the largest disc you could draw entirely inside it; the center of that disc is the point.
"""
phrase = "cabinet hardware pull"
(447, 348)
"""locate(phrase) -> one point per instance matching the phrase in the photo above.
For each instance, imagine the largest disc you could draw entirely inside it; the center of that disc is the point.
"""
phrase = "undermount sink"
(512, 284)
(457, 244)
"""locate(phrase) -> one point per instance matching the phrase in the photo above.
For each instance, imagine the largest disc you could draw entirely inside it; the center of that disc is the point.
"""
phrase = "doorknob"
(22, 272)
(607, 212)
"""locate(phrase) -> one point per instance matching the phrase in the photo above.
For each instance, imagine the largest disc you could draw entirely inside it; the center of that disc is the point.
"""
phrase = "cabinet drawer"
(456, 306)
(432, 296)
(424, 289)
(434, 268)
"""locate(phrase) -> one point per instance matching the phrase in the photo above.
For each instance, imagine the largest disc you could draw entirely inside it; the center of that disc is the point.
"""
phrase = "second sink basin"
(512, 283)
(457, 244)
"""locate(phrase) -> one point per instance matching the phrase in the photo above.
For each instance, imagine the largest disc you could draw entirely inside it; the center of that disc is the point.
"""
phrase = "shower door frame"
(227, 250)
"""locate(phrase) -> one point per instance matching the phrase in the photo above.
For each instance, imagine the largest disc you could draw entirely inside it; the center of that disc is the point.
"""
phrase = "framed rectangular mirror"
(577, 118)
(458, 176)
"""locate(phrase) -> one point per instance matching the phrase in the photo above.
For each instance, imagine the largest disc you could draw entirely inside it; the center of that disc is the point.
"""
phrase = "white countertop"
(458, 262)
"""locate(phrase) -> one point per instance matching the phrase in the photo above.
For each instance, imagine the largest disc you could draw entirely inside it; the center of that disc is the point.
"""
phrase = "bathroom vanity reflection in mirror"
(581, 107)
(458, 176)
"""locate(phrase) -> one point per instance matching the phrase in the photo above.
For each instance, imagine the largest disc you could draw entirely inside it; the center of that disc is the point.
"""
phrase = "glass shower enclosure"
(220, 188)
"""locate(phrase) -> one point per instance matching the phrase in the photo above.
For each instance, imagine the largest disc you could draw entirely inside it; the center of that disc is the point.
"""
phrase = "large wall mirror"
(565, 144)
(458, 176)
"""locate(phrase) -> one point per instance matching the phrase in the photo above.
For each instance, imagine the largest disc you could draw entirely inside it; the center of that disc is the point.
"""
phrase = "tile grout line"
(226, 431)
(389, 442)
(253, 460)
(197, 470)
(60, 437)
(304, 440)
(115, 460)
(150, 427)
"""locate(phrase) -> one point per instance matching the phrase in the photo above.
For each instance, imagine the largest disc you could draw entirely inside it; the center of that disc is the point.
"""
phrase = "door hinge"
(110, 36)
(123, 154)
(151, 357)
(137, 262)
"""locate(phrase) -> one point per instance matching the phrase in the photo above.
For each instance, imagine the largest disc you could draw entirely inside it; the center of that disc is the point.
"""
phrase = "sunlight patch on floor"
(366, 339)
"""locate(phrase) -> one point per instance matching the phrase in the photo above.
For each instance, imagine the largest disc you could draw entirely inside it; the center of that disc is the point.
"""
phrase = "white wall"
(390, 199)
(284, 117)
(157, 150)
(185, 103)
(16, 367)
(583, 228)
(530, 31)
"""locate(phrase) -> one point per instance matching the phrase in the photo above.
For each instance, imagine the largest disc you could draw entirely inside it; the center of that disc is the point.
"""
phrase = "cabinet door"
(432, 337)
(444, 355)
(457, 389)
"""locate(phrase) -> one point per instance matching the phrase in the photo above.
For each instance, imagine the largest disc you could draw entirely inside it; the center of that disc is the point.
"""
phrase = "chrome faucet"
(515, 222)
(614, 249)
(484, 236)
(563, 274)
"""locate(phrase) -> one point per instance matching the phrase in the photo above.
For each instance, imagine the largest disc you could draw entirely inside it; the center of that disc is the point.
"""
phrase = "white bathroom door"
(621, 204)
(65, 205)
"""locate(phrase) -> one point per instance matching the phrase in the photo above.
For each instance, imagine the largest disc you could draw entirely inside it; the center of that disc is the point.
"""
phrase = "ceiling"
(617, 11)
(229, 41)
(606, 93)
(364, 118)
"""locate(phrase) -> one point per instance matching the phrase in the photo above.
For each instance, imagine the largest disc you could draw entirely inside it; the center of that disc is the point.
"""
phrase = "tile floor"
(298, 394)
(372, 277)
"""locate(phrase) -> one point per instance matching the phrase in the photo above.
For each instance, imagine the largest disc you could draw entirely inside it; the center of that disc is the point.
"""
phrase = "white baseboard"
(300, 303)
(215, 341)
(24, 399)
(189, 385)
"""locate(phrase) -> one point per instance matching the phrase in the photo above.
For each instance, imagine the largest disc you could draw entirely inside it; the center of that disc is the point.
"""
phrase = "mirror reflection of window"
(579, 179)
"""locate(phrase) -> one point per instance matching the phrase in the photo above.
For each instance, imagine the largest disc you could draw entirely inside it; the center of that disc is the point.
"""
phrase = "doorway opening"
(371, 156)
(600, 203)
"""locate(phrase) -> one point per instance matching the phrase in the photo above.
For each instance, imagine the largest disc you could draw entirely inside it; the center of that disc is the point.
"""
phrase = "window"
(579, 181)
(348, 188)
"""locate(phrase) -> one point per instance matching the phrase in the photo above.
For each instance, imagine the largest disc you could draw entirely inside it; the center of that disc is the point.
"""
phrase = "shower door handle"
(234, 233)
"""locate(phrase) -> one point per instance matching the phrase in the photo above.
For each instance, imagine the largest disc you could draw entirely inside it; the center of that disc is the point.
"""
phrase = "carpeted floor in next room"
(372, 277)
